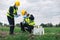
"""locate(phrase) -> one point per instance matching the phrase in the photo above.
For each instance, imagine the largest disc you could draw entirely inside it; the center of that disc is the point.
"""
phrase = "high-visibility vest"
(30, 22)
(14, 12)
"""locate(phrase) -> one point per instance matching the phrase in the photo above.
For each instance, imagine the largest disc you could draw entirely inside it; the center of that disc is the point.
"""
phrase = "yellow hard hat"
(23, 12)
(17, 3)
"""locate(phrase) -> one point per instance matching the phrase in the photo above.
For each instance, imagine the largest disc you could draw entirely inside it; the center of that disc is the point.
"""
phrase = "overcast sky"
(44, 11)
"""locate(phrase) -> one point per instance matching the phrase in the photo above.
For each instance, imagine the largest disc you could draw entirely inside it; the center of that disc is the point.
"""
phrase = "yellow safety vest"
(14, 12)
(30, 22)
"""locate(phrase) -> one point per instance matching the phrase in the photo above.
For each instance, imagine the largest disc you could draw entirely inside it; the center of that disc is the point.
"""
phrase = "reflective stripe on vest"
(32, 23)
(9, 15)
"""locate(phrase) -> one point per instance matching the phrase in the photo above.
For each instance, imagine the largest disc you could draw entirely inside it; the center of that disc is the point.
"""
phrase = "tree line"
(42, 24)
(6, 25)
(49, 25)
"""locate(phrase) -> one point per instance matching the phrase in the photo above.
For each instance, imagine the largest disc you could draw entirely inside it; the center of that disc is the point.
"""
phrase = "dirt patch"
(3, 34)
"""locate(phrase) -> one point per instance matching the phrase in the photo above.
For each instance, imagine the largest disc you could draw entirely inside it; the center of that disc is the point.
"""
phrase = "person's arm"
(16, 11)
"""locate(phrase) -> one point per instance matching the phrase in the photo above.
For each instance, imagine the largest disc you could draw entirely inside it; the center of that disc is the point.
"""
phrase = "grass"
(52, 30)
(50, 34)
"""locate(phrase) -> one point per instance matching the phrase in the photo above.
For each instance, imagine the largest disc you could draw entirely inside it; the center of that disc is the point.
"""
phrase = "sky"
(44, 11)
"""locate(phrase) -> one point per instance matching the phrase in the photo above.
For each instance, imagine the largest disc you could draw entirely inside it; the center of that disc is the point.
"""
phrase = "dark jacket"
(11, 10)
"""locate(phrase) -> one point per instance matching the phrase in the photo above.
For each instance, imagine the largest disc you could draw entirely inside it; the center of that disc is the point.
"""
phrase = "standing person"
(10, 16)
(28, 22)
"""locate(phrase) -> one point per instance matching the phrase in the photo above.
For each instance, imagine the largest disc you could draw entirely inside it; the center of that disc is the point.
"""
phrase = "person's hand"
(24, 16)
(17, 15)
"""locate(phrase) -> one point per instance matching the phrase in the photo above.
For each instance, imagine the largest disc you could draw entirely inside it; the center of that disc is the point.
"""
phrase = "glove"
(24, 16)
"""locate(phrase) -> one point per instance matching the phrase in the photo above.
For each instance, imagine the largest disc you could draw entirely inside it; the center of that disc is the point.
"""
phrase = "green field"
(50, 34)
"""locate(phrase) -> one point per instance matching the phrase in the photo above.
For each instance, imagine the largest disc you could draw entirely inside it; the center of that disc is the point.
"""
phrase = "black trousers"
(11, 23)
(29, 27)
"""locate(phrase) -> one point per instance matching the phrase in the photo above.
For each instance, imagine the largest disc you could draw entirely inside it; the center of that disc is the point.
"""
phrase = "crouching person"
(28, 22)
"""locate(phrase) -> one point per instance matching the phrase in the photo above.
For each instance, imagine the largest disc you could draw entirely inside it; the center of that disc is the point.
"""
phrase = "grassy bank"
(50, 34)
